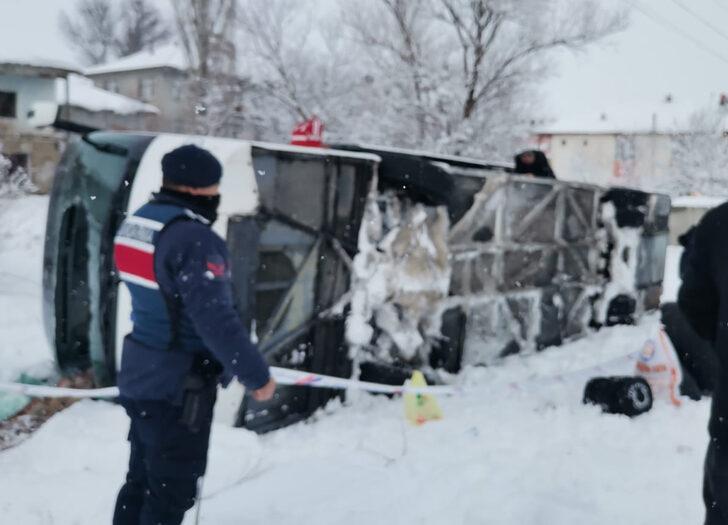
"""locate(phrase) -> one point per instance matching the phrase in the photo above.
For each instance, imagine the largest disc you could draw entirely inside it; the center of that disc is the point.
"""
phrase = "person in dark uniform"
(697, 357)
(533, 162)
(187, 337)
(703, 299)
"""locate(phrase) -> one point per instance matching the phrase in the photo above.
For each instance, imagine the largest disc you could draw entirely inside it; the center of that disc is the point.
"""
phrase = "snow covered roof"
(663, 117)
(698, 201)
(84, 94)
(167, 55)
(35, 66)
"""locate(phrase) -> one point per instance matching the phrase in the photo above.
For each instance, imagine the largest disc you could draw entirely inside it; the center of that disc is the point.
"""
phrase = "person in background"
(533, 162)
(187, 337)
(703, 300)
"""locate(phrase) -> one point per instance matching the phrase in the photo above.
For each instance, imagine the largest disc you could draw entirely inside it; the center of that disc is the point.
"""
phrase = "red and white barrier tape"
(57, 391)
(283, 376)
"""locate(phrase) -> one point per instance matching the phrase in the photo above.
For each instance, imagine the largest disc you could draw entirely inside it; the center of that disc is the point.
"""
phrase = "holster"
(200, 393)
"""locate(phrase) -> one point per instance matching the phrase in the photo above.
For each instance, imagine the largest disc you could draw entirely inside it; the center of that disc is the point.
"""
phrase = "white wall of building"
(610, 159)
(653, 162)
(28, 90)
(581, 158)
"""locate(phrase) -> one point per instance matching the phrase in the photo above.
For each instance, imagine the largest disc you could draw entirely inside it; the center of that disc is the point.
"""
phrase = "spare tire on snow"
(626, 395)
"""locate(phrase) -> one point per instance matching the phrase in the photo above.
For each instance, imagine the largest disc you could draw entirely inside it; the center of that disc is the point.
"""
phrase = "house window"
(8, 104)
(177, 90)
(111, 85)
(146, 88)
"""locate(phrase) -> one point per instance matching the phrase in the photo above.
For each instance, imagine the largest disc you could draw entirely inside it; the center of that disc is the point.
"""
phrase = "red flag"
(309, 133)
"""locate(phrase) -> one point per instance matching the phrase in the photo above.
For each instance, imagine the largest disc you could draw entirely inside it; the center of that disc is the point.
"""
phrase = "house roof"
(36, 68)
(664, 116)
(84, 94)
(163, 56)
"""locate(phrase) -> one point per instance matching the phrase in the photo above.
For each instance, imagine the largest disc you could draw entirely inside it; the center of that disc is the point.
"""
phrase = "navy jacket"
(703, 299)
(190, 322)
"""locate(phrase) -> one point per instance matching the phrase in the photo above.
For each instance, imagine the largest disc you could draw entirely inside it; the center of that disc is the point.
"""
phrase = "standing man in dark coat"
(187, 338)
(703, 299)
(533, 162)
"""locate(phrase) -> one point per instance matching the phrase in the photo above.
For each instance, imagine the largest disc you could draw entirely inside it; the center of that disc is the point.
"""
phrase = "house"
(41, 103)
(623, 145)
(157, 76)
(162, 77)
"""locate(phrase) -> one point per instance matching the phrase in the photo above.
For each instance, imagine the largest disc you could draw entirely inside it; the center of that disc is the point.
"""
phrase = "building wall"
(28, 90)
(581, 158)
(161, 87)
(42, 148)
(638, 160)
(653, 161)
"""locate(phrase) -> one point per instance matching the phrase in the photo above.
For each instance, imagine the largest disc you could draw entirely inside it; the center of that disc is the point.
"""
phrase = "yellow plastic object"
(420, 408)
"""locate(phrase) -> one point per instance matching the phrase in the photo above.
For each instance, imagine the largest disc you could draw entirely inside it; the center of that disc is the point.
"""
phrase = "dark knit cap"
(191, 166)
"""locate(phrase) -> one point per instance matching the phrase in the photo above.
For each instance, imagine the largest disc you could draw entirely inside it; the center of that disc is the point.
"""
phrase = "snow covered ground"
(515, 447)
(23, 344)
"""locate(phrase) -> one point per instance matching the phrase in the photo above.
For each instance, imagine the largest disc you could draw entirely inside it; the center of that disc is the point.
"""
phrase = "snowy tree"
(142, 27)
(458, 76)
(462, 74)
(302, 67)
(206, 29)
(103, 29)
(700, 156)
(90, 29)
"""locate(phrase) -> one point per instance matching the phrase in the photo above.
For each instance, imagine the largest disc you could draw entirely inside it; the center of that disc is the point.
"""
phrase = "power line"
(700, 18)
(666, 23)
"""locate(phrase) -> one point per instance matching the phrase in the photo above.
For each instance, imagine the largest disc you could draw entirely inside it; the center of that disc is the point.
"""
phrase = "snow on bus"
(360, 260)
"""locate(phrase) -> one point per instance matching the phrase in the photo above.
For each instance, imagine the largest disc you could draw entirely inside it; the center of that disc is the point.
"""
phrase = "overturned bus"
(359, 261)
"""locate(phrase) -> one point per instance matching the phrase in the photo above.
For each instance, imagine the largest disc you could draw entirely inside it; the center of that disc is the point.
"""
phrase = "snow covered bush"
(14, 182)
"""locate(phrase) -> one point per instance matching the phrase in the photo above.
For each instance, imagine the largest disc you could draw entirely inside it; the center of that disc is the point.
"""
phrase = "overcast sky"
(649, 60)
(640, 65)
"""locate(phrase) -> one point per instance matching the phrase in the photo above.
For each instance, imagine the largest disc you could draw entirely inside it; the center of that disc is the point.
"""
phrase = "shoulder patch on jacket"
(216, 268)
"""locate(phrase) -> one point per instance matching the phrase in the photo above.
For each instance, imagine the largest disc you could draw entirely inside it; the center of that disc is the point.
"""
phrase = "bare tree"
(90, 29)
(479, 24)
(142, 27)
(268, 28)
(206, 29)
(461, 70)
(93, 28)
(398, 35)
